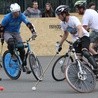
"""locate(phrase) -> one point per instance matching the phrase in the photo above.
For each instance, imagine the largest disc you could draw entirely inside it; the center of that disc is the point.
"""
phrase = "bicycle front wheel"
(36, 67)
(84, 82)
(11, 67)
(59, 67)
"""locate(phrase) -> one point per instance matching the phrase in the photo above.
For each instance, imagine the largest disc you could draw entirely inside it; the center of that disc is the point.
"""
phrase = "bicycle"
(60, 64)
(13, 68)
(79, 74)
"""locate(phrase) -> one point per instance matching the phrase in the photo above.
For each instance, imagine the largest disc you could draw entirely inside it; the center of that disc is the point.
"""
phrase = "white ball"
(33, 88)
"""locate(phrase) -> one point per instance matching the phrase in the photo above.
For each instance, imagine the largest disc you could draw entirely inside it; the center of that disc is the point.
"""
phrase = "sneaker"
(0, 66)
(97, 77)
(95, 71)
(26, 69)
(0, 79)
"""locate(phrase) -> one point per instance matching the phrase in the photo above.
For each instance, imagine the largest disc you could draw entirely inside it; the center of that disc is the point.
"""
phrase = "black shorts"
(85, 42)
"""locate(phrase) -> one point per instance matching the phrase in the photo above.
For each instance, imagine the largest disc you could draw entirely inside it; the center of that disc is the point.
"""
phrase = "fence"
(4, 4)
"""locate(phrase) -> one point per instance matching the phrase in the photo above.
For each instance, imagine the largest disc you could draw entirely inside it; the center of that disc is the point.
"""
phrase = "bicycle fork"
(82, 75)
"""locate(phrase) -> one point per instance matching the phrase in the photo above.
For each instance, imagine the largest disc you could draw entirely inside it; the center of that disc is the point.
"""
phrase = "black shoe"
(0, 79)
(0, 66)
(95, 71)
(26, 69)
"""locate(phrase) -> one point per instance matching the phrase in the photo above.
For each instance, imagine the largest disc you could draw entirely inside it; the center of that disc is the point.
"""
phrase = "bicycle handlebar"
(69, 42)
(28, 40)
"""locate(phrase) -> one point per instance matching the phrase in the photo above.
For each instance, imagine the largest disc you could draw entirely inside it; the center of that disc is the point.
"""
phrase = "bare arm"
(64, 37)
(80, 30)
(86, 27)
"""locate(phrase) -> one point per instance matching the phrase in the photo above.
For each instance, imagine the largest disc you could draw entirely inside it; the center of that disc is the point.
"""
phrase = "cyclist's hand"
(34, 35)
(58, 47)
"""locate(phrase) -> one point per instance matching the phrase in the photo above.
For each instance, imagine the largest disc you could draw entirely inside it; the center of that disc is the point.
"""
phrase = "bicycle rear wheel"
(35, 66)
(12, 68)
(59, 67)
(80, 82)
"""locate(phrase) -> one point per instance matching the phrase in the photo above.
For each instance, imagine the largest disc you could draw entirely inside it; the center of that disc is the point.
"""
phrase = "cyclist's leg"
(10, 41)
(78, 50)
(22, 53)
(21, 49)
(93, 39)
(86, 54)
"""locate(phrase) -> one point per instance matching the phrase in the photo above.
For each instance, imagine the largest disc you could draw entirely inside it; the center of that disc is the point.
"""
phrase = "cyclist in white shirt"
(89, 21)
(72, 25)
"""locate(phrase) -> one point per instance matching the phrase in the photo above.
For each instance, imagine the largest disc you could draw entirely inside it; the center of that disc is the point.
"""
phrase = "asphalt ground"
(48, 88)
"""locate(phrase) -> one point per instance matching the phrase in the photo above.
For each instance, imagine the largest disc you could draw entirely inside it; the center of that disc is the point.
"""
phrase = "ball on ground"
(34, 88)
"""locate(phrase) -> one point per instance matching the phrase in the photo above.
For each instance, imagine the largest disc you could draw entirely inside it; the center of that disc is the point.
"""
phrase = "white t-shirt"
(90, 18)
(71, 27)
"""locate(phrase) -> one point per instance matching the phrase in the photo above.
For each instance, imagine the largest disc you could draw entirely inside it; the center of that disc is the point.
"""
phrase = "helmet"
(62, 9)
(80, 4)
(14, 7)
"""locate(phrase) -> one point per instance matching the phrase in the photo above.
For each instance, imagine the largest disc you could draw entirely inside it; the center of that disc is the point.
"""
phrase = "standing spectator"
(33, 12)
(48, 11)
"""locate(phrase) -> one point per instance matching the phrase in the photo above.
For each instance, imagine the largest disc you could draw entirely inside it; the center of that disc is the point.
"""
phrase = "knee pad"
(90, 58)
(11, 44)
(86, 53)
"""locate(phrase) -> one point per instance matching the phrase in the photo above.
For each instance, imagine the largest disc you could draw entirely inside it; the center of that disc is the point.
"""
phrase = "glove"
(34, 35)
(58, 47)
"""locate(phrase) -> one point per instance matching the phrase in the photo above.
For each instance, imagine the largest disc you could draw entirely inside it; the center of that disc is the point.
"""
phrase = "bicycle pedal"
(28, 72)
(26, 69)
(0, 79)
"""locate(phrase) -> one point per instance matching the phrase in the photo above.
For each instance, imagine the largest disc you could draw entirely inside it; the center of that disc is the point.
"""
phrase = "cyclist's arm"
(1, 29)
(80, 30)
(78, 25)
(85, 27)
(3, 24)
(5, 21)
(85, 21)
(64, 37)
(28, 24)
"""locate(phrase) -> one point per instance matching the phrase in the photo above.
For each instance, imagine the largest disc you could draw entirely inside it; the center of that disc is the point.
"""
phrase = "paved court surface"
(48, 88)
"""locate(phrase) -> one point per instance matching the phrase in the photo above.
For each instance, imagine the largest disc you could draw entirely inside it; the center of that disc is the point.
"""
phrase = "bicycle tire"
(11, 68)
(84, 86)
(58, 69)
(36, 67)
